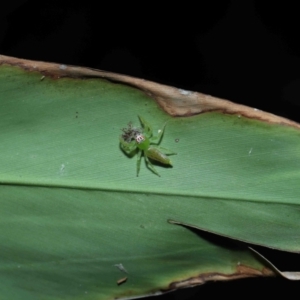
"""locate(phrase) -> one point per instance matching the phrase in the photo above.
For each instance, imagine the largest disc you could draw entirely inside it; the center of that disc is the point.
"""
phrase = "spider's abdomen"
(157, 155)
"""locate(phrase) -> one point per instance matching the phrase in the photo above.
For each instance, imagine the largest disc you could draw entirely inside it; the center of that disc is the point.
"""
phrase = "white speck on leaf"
(250, 151)
(121, 268)
(184, 92)
(62, 67)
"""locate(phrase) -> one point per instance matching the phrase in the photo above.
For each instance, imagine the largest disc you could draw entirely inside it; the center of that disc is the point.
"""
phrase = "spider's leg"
(165, 150)
(156, 139)
(138, 162)
(147, 129)
(150, 166)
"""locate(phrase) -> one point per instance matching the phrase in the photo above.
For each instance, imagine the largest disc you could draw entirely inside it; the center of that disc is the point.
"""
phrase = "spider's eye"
(139, 138)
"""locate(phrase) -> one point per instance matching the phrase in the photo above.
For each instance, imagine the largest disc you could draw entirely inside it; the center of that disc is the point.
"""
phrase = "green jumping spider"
(142, 140)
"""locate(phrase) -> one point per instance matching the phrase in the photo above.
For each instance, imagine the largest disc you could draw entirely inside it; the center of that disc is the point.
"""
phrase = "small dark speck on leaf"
(176, 140)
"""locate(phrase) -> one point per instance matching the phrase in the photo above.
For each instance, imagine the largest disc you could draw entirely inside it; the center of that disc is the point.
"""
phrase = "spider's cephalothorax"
(139, 138)
(142, 140)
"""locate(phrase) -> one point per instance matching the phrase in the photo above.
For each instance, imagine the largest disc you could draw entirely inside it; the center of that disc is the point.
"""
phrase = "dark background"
(244, 51)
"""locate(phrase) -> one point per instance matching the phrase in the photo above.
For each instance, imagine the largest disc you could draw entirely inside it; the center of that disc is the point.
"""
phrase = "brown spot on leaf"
(122, 280)
(174, 101)
(242, 271)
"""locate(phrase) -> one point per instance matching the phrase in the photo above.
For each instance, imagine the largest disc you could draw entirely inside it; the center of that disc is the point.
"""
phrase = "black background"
(244, 51)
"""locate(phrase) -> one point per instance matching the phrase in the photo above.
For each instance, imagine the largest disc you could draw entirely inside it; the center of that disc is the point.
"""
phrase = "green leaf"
(62, 242)
(73, 208)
